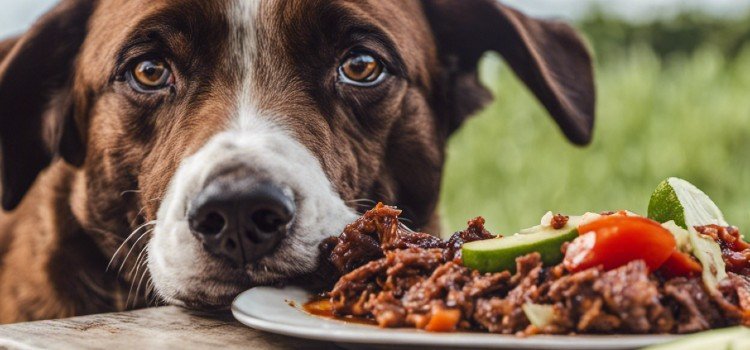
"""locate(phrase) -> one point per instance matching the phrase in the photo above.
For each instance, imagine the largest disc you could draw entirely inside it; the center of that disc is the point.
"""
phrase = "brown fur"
(108, 153)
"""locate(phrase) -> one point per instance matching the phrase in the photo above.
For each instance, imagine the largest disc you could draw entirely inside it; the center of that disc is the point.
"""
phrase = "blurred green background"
(673, 100)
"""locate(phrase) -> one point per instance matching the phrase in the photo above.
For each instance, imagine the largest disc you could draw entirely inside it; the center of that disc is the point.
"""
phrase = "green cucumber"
(499, 254)
(719, 339)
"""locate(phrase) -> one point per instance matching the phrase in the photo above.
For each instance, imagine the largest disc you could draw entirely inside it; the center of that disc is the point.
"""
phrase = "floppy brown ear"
(548, 56)
(35, 103)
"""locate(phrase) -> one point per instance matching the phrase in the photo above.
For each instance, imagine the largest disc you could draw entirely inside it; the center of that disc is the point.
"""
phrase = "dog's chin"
(206, 303)
(219, 296)
(213, 283)
(213, 296)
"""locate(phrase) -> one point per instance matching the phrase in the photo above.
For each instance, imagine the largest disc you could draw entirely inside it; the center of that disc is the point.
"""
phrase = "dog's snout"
(241, 220)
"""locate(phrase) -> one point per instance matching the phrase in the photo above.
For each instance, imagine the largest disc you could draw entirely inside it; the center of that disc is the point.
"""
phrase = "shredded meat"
(695, 310)
(474, 232)
(623, 300)
(559, 221)
(633, 296)
(736, 297)
(735, 251)
(400, 278)
(374, 232)
(504, 314)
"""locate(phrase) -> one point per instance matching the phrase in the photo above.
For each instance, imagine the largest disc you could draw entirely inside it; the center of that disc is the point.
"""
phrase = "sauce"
(322, 307)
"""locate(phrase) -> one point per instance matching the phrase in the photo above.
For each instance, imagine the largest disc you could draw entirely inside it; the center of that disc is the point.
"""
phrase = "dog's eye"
(151, 75)
(362, 69)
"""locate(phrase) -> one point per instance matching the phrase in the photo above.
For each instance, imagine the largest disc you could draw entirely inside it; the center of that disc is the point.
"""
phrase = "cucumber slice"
(727, 338)
(740, 344)
(499, 254)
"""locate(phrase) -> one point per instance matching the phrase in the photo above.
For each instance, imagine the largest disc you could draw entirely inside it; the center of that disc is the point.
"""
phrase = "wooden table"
(166, 327)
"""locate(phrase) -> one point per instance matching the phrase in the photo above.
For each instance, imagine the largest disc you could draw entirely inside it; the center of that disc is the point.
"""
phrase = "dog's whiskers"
(130, 290)
(138, 216)
(361, 200)
(129, 191)
(367, 204)
(137, 261)
(138, 288)
(133, 280)
(130, 251)
(403, 226)
(361, 205)
(130, 236)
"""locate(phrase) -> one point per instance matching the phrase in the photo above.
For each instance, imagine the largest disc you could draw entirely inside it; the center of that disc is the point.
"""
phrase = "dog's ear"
(36, 108)
(548, 56)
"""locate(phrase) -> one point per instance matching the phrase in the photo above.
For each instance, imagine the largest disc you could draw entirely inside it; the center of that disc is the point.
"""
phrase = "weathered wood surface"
(155, 328)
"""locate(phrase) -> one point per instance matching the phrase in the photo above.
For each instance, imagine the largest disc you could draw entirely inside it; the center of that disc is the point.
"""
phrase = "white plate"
(279, 311)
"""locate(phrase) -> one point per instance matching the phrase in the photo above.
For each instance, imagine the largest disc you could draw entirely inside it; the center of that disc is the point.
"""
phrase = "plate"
(279, 310)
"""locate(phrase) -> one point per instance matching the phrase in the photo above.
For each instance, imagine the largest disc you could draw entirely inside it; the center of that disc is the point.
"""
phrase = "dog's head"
(248, 129)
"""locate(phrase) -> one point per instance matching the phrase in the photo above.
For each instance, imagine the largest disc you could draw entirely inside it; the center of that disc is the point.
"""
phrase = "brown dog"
(217, 143)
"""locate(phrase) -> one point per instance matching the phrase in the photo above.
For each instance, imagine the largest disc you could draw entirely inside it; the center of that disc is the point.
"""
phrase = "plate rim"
(409, 337)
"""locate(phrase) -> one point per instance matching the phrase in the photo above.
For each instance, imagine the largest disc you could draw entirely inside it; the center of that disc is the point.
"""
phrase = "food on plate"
(681, 270)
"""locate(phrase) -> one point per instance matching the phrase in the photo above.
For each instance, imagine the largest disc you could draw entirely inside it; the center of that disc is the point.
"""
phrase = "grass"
(687, 116)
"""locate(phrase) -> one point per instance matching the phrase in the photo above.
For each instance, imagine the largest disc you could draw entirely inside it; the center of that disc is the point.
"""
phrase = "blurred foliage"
(664, 109)
(684, 33)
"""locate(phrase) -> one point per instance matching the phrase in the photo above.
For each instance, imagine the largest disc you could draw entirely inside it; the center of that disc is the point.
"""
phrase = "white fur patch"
(180, 268)
(243, 24)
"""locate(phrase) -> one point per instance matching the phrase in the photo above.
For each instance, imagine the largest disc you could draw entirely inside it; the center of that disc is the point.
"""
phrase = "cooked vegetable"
(540, 316)
(681, 236)
(443, 320)
(499, 254)
(708, 253)
(615, 240)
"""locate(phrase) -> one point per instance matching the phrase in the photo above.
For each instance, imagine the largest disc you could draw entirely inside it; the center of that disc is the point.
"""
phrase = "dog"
(182, 151)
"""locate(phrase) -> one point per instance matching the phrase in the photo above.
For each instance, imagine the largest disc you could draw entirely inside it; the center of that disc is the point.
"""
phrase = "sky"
(17, 15)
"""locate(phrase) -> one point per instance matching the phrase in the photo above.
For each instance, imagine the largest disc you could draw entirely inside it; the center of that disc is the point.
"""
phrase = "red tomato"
(616, 240)
(680, 264)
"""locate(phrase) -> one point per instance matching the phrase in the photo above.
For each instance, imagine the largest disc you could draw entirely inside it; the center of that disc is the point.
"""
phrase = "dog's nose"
(240, 220)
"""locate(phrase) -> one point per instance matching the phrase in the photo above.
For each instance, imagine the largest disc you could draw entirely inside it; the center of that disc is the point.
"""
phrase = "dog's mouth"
(216, 288)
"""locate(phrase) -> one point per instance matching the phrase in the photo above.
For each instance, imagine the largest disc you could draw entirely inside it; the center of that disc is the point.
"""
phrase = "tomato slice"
(680, 264)
(616, 240)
